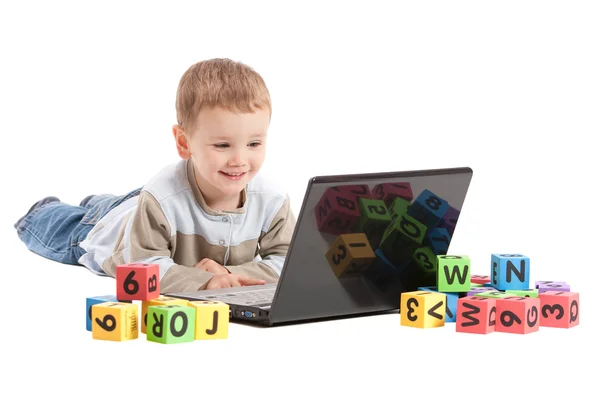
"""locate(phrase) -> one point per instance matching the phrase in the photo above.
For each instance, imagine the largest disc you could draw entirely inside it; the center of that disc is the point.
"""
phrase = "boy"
(210, 220)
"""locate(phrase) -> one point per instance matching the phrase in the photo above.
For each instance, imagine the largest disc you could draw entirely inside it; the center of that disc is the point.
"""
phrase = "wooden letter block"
(518, 314)
(510, 271)
(453, 273)
(90, 301)
(474, 290)
(212, 320)
(481, 279)
(390, 192)
(559, 309)
(114, 321)
(421, 309)
(428, 208)
(538, 283)
(451, 302)
(350, 254)
(137, 281)
(159, 301)
(170, 324)
(337, 212)
(476, 315)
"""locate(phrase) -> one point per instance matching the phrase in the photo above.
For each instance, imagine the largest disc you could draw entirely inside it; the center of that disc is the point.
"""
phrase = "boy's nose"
(237, 159)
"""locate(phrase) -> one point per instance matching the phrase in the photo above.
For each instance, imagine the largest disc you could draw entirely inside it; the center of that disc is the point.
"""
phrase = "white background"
(509, 88)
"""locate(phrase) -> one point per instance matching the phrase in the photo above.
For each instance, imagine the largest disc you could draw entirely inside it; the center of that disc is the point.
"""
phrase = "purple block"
(537, 283)
(556, 286)
(449, 219)
(480, 289)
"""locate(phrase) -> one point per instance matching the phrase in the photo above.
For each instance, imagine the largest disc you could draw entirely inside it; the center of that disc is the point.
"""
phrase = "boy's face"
(227, 150)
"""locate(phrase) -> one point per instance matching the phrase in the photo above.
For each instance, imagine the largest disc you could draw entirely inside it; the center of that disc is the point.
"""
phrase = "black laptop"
(360, 241)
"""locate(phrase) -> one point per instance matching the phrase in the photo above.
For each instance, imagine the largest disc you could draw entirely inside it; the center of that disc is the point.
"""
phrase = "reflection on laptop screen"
(359, 243)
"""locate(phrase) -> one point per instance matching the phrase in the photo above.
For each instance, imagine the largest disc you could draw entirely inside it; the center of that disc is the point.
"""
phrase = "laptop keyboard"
(247, 298)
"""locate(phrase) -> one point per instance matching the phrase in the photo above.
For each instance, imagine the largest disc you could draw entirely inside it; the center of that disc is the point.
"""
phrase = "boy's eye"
(254, 144)
(221, 145)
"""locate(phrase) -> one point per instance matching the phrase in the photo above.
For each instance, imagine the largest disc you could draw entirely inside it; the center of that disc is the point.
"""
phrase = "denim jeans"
(54, 230)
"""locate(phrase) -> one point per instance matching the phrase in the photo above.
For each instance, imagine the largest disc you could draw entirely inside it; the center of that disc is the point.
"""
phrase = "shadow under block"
(453, 273)
(115, 321)
(422, 309)
(159, 301)
(90, 301)
(476, 315)
(518, 314)
(212, 320)
(137, 281)
(510, 271)
(559, 309)
(350, 253)
(170, 324)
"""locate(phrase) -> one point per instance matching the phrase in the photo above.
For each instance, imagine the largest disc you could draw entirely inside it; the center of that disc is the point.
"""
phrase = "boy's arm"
(150, 242)
(273, 248)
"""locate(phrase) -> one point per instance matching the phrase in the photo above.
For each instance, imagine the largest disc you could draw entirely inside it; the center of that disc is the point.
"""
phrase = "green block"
(453, 273)
(496, 295)
(402, 238)
(522, 292)
(398, 207)
(374, 219)
(476, 285)
(171, 324)
(426, 260)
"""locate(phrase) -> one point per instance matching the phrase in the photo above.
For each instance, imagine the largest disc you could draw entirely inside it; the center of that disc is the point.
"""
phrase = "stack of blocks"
(163, 319)
(499, 302)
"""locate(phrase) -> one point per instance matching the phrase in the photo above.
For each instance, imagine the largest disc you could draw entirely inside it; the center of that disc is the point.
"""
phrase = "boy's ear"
(181, 141)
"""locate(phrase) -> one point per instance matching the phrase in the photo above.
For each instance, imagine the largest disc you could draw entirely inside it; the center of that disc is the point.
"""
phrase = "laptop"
(360, 241)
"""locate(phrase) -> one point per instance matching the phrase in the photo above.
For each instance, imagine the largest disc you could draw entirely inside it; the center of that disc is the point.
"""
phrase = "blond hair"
(219, 82)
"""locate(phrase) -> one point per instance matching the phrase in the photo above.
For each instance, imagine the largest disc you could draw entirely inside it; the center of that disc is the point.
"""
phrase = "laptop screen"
(361, 240)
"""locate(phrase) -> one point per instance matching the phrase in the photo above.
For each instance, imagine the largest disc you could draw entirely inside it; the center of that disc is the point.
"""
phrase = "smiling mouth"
(233, 176)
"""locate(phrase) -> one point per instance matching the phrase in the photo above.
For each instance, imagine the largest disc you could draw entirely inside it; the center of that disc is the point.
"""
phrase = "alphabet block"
(496, 294)
(451, 302)
(350, 254)
(398, 207)
(174, 323)
(559, 309)
(474, 290)
(476, 315)
(402, 238)
(137, 281)
(90, 301)
(212, 320)
(518, 314)
(374, 219)
(560, 287)
(114, 321)
(426, 260)
(159, 301)
(428, 208)
(337, 212)
(523, 293)
(421, 309)
(389, 192)
(537, 283)
(481, 279)
(438, 239)
(510, 271)
(453, 273)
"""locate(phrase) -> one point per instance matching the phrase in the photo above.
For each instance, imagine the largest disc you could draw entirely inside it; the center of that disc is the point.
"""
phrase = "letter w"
(456, 271)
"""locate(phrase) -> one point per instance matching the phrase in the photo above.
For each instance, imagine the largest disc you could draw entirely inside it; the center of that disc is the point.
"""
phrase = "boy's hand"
(232, 280)
(211, 266)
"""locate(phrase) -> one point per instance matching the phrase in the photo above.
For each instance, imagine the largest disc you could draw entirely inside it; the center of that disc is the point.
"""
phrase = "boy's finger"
(251, 281)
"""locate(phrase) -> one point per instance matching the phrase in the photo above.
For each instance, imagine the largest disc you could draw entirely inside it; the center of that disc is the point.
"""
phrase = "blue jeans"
(54, 230)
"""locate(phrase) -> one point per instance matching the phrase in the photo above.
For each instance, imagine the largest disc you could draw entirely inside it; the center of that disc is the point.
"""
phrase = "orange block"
(559, 309)
(475, 314)
(517, 314)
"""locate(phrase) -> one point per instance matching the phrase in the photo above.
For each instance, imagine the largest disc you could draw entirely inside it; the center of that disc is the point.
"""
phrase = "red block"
(559, 309)
(389, 191)
(476, 315)
(337, 211)
(137, 281)
(518, 314)
(481, 279)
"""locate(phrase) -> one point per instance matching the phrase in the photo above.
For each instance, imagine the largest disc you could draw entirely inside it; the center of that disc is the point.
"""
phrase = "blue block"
(428, 208)
(451, 301)
(509, 271)
(438, 239)
(89, 302)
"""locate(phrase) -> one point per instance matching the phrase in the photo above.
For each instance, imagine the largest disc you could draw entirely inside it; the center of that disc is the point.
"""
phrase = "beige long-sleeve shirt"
(170, 224)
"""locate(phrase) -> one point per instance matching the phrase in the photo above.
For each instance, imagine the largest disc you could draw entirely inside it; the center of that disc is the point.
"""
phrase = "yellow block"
(422, 309)
(115, 321)
(158, 301)
(212, 319)
(350, 253)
